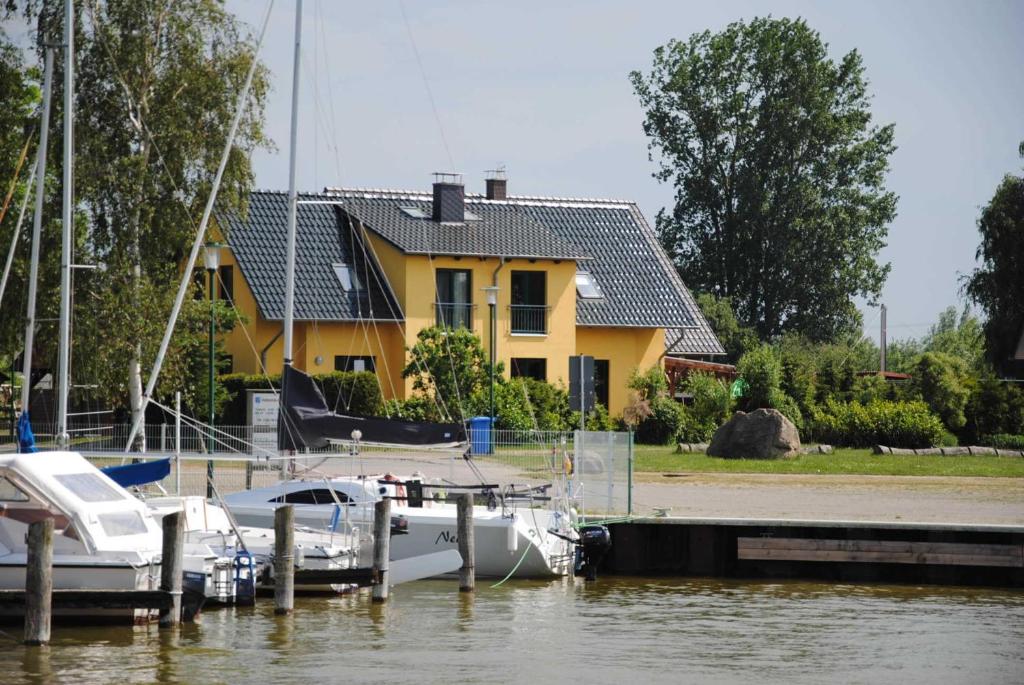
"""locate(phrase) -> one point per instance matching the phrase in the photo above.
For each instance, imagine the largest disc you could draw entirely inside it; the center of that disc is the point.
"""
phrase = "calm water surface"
(624, 631)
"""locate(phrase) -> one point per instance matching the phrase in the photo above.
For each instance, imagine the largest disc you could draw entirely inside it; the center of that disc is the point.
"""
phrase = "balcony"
(454, 314)
(529, 319)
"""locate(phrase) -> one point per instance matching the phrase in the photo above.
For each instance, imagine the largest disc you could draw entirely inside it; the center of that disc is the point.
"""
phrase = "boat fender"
(512, 543)
(299, 554)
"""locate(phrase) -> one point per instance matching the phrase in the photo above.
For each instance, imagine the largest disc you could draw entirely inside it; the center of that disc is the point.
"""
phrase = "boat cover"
(310, 423)
(138, 474)
(26, 439)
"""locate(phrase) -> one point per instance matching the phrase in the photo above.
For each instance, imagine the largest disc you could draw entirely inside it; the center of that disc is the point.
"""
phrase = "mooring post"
(39, 582)
(381, 548)
(284, 561)
(467, 574)
(171, 566)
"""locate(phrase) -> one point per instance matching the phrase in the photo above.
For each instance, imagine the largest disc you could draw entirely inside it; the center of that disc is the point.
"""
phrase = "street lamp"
(492, 304)
(211, 257)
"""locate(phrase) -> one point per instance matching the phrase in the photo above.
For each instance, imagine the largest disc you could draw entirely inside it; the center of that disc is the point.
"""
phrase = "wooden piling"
(381, 548)
(39, 582)
(284, 561)
(467, 574)
(171, 566)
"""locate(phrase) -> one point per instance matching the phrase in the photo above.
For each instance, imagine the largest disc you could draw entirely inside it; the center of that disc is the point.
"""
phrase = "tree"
(958, 336)
(156, 86)
(449, 366)
(736, 339)
(778, 172)
(939, 378)
(998, 285)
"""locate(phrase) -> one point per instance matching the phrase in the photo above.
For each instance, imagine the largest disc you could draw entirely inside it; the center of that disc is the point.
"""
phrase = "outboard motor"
(593, 545)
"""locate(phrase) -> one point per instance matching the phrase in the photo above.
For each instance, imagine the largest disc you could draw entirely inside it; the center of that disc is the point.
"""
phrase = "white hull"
(521, 544)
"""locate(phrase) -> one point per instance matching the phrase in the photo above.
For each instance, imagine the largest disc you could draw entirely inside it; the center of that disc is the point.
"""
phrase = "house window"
(586, 286)
(227, 284)
(530, 368)
(345, 362)
(529, 311)
(347, 277)
(454, 304)
(601, 381)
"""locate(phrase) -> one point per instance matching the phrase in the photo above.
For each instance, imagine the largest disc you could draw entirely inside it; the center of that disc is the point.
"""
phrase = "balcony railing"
(454, 314)
(530, 319)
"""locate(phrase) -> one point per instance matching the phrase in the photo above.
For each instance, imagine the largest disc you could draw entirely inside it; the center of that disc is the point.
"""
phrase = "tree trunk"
(135, 395)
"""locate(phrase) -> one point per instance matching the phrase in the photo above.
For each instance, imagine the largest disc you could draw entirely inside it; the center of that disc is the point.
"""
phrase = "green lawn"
(654, 459)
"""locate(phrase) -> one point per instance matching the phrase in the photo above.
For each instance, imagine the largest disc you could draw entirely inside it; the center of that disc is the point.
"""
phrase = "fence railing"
(529, 318)
(600, 464)
(454, 314)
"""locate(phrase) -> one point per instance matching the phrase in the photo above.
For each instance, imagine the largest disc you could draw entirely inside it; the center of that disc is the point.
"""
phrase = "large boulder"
(761, 434)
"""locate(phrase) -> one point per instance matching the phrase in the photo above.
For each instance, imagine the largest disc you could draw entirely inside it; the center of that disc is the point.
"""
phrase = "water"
(623, 631)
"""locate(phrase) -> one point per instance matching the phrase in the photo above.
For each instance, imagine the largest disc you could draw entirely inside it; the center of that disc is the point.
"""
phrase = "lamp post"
(492, 304)
(211, 258)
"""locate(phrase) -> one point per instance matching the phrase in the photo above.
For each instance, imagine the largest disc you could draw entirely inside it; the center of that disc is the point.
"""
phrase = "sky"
(391, 91)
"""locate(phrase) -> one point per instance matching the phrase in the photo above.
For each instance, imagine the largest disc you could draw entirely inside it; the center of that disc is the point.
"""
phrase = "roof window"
(586, 286)
(347, 277)
(415, 212)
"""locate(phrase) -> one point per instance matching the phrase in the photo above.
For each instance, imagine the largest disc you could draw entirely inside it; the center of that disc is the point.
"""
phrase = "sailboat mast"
(37, 226)
(289, 288)
(64, 348)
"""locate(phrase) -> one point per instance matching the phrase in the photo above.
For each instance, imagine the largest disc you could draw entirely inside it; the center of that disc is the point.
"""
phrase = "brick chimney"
(449, 198)
(497, 184)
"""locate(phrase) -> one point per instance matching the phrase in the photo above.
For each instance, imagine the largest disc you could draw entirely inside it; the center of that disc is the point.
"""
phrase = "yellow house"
(562, 277)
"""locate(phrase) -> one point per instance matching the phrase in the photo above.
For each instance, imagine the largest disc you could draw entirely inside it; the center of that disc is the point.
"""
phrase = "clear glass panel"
(89, 487)
(9, 492)
(586, 286)
(122, 523)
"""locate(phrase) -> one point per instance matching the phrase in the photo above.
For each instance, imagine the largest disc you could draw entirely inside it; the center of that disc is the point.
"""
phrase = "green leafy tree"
(958, 336)
(778, 173)
(940, 380)
(449, 365)
(998, 285)
(156, 86)
(735, 338)
(762, 370)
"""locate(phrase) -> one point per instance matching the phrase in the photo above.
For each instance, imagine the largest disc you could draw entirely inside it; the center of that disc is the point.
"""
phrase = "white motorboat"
(103, 537)
(524, 542)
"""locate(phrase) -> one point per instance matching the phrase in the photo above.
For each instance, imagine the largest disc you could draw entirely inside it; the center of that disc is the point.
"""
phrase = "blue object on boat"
(335, 518)
(140, 473)
(26, 439)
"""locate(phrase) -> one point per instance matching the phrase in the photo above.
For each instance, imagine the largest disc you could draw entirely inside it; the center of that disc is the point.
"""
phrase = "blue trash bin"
(480, 434)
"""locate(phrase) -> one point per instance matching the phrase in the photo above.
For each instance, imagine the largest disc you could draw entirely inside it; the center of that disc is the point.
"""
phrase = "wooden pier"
(837, 551)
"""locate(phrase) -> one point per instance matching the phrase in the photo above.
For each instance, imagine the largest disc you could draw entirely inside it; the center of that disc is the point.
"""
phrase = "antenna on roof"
(453, 177)
(498, 173)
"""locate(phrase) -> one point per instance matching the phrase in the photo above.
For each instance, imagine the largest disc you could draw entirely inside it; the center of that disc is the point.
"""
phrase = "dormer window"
(586, 286)
(347, 277)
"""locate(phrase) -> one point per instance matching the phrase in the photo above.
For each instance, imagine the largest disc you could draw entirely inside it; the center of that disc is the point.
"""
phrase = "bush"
(416, 408)
(1006, 441)
(649, 384)
(788, 407)
(939, 378)
(346, 391)
(762, 372)
(799, 370)
(712, 402)
(896, 424)
(694, 430)
(661, 427)
(994, 408)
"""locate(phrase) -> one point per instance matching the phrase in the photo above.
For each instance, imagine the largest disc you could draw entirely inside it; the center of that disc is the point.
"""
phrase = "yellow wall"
(625, 349)
(412, 277)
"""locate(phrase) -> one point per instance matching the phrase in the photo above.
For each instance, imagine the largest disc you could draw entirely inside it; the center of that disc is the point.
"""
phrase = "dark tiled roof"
(499, 230)
(693, 341)
(258, 243)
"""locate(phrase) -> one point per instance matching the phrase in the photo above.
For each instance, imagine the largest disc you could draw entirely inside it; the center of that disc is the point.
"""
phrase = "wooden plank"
(95, 599)
(880, 551)
(364, 577)
(881, 546)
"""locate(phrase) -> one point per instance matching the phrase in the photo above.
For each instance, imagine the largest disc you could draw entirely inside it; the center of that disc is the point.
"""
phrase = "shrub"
(662, 425)
(897, 424)
(788, 407)
(762, 371)
(649, 384)
(346, 391)
(1006, 441)
(799, 370)
(939, 378)
(993, 408)
(416, 408)
(692, 429)
(712, 402)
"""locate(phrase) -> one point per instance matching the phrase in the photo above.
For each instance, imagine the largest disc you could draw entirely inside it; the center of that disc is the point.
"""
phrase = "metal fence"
(595, 467)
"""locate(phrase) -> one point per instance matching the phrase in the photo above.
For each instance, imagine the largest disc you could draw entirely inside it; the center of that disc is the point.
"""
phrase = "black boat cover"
(308, 422)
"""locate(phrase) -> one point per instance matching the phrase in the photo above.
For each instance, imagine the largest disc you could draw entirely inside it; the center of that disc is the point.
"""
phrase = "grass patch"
(657, 459)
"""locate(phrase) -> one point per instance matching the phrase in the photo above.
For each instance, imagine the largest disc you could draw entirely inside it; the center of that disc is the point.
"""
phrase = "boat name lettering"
(446, 536)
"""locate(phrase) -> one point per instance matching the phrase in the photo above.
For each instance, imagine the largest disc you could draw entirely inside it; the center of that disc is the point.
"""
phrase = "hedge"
(883, 422)
(355, 392)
